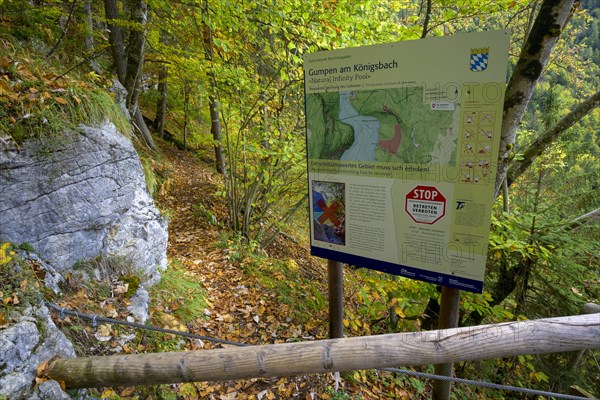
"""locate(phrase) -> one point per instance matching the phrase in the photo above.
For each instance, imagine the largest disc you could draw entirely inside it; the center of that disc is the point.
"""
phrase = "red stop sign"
(425, 204)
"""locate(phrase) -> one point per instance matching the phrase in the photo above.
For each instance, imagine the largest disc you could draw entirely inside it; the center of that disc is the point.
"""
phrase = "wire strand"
(95, 319)
(484, 384)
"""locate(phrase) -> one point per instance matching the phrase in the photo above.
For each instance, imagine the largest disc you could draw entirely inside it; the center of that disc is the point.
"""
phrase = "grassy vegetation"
(180, 293)
(37, 102)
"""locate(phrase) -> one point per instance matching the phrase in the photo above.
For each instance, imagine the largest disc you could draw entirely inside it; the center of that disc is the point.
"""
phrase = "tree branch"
(583, 219)
(71, 12)
(549, 136)
(426, 22)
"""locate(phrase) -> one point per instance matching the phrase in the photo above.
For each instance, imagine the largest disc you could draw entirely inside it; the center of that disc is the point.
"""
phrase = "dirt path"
(240, 309)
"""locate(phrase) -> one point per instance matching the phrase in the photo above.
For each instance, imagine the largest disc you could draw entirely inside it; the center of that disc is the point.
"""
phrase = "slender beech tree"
(544, 33)
(129, 61)
(213, 103)
(161, 103)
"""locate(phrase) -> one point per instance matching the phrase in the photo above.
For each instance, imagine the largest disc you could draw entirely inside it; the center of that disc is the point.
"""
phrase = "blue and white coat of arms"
(479, 59)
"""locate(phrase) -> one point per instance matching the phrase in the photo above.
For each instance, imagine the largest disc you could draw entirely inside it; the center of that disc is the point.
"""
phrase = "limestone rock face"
(24, 346)
(81, 200)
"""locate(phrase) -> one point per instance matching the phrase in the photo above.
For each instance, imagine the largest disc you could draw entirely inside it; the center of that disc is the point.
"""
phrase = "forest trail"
(239, 307)
(231, 294)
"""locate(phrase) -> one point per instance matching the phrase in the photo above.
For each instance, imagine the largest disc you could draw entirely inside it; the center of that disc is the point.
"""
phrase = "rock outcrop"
(82, 200)
(24, 346)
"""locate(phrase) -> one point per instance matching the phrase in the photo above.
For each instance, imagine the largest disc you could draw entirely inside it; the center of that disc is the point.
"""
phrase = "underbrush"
(21, 283)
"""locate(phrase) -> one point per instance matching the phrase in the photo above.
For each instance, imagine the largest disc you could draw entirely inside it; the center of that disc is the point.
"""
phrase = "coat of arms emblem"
(479, 59)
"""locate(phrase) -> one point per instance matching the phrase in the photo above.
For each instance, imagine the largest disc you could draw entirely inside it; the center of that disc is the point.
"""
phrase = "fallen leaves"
(103, 333)
(242, 305)
(170, 322)
(11, 299)
(61, 100)
(42, 372)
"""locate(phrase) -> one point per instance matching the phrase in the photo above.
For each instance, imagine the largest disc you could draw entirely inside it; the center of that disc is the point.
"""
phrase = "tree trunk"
(89, 35)
(505, 285)
(186, 112)
(584, 219)
(135, 52)
(115, 38)
(215, 127)
(129, 67)
(161, 104)
(548, 335)
(432, 312)
(142, 128)
(66, 27)
(426, 21)
(529, 262)
(89, 38)
(543, 35)
(540, 42)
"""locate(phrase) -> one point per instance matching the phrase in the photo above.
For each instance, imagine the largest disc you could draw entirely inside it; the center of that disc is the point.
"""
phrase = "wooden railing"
(481, 342)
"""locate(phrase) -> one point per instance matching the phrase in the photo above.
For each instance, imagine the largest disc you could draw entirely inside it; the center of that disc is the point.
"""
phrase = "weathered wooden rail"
(356, 353)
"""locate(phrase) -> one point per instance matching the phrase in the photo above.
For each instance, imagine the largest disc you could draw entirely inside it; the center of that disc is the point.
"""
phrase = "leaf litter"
(241, 305)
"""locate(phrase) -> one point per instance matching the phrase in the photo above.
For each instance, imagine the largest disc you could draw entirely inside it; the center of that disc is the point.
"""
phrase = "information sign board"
(402, 143)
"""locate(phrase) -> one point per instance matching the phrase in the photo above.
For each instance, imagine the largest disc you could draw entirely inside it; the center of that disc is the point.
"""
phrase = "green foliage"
(20, 284)
(41, 96)
(26, 247)
(553, 261)
(379, 298)
(156, 173)
(238, 249)
(339, 394)
(291, 285)
(204, 215)
(105, 267)
(255, 73)
(28, 22)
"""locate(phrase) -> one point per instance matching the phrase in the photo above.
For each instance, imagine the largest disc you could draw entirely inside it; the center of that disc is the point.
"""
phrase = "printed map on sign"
(386, 125)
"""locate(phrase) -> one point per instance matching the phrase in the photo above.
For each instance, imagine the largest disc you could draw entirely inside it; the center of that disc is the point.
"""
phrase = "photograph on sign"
(328, 212)
(402, 139)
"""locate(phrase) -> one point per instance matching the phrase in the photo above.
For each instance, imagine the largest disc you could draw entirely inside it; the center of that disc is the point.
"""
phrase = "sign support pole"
(449, 310)
(336, 299)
